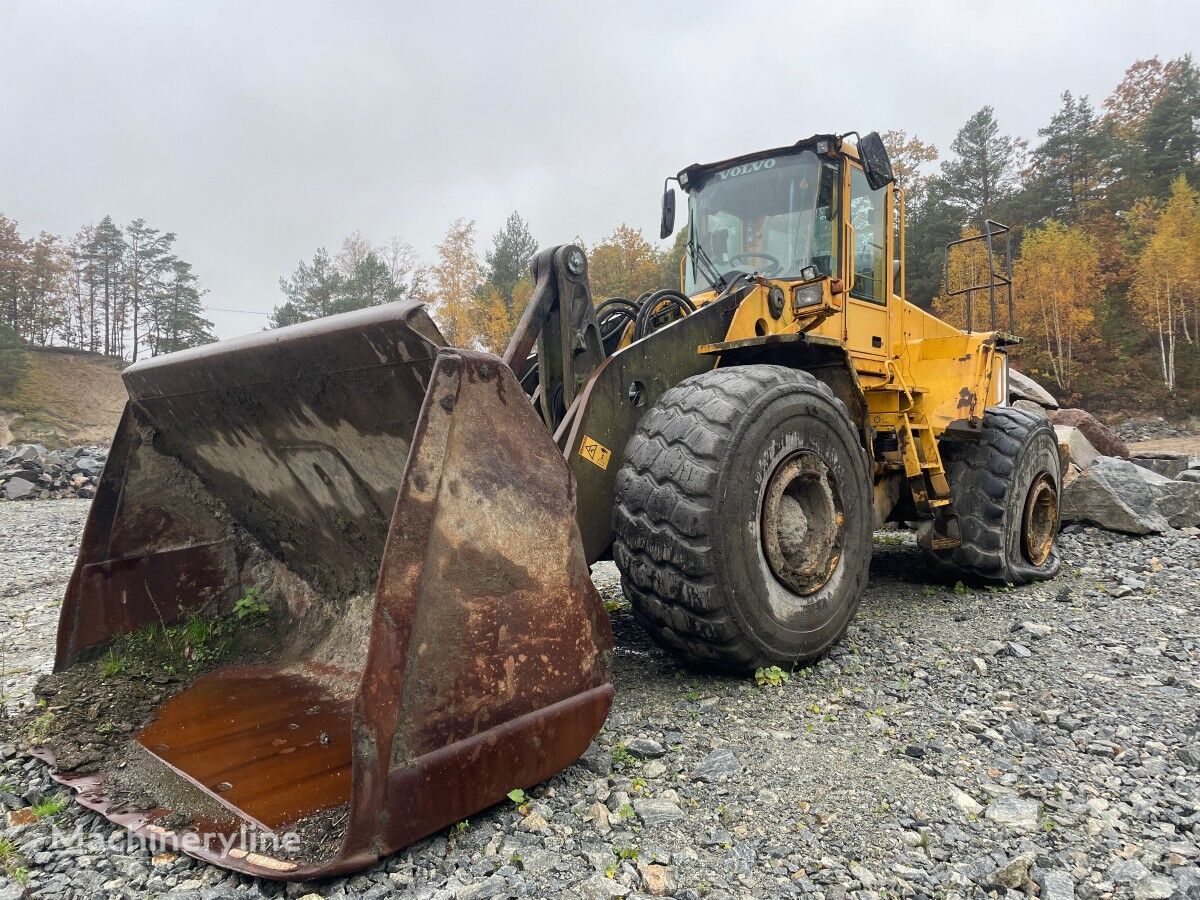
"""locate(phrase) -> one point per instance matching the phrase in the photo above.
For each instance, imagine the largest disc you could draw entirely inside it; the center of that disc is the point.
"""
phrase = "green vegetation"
(621, 757)
(114, 663)
(251, 604)
(51, 806)
(771, 676)
(13, 361)
(517, 796)
(189, 645)
(622, 854)
(12, 864)
(41, 727)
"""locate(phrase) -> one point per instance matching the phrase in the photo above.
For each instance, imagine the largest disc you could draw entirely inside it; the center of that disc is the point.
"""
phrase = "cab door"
(868, 270)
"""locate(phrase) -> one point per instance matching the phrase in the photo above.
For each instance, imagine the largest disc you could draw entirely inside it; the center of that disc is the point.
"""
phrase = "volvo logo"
(746, 168)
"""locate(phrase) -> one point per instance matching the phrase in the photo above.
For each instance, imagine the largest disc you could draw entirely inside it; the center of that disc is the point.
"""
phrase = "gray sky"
(259, 131)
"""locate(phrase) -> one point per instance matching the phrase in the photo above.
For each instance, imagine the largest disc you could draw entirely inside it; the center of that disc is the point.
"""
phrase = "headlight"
(805, 295)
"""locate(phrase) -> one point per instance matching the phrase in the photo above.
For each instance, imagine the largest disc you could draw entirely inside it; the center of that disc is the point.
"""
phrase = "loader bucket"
(385, 532)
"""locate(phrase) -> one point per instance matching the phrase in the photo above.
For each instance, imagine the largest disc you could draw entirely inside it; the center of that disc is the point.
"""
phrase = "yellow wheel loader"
(374, 549)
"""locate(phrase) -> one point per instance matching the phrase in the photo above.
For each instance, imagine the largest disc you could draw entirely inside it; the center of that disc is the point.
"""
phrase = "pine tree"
(369, 283)
(312, 291)
(1171, 135)
(1066, 177)
(13, 263)
(179, 321)
(107, 252)
(513, 247)
(928, 229)
(148, 259)
(984, 169)
(84, 282)
(44, 290)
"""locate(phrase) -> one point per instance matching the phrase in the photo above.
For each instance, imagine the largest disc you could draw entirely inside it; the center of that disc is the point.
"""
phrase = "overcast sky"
(259, 131)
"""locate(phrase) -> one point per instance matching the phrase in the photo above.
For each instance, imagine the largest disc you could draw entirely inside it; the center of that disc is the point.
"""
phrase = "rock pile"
(1104, 484)
(31, 472)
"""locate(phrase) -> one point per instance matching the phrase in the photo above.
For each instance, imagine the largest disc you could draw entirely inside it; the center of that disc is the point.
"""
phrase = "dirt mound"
(64, 398)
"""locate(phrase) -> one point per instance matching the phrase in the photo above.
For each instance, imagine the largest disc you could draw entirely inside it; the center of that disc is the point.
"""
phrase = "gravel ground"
(958, 743)
(38, 543)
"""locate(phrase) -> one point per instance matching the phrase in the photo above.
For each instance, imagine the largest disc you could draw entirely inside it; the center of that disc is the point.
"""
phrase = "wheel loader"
(409, 527)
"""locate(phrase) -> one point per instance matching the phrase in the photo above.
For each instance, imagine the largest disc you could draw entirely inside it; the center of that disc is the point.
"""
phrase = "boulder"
(1179, 501)
(1192, 475)
(1099, 435)
(1022, 387)
(20, 489)
(1114, 494)
(89, 465)
(1168, 465)
(1030, 407)
(29, 452)
(1079, 449)
(1117, 495)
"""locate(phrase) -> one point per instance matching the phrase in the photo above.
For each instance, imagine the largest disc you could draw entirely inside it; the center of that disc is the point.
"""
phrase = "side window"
(868, 215)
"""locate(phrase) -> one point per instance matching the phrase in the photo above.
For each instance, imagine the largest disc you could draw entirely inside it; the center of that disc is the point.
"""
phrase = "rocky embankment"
(31, 472)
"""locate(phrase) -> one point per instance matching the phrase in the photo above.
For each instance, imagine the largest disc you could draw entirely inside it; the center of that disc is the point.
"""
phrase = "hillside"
(62, 398)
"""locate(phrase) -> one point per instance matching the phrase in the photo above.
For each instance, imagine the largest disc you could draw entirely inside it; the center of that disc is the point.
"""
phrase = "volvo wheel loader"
(391, 537)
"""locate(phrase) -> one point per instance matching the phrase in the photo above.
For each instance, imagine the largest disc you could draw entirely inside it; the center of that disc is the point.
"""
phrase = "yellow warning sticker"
(595, 452)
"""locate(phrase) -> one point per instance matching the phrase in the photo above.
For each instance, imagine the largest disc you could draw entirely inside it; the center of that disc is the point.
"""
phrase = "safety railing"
(993, 234)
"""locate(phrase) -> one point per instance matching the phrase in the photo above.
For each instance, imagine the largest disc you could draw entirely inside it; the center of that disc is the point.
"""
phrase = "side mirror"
(876, 164)
(668, 214)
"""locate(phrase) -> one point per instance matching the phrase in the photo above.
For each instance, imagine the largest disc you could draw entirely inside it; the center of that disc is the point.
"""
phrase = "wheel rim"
(802, 523)
(1039, 523)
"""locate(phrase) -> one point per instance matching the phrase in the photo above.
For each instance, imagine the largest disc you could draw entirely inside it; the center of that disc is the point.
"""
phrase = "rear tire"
(1005, 491)
(743, 518)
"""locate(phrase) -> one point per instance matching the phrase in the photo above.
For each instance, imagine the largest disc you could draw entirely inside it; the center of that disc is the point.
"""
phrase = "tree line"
(118, 290)
(477, 297)
(1103, 204)
(1106, 234)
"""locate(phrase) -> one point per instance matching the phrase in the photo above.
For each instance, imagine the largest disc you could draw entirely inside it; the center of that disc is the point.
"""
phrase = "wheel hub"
(1039, 523)
(802, 523)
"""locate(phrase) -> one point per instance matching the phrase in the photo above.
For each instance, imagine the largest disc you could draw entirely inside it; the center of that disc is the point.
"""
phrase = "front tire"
(1005, 491)
(743, 517)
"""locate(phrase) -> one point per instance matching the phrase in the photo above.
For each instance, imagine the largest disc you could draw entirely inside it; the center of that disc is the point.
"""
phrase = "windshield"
(774, 216)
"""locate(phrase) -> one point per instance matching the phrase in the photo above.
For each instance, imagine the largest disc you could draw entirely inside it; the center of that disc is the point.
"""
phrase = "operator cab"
(776, 214)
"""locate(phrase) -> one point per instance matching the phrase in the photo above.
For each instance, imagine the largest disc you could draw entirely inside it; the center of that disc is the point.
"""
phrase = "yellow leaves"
(1166, 285)
(456, 277)
(1169, 265)
(625, 264)
(967, 267)
(1057, 285)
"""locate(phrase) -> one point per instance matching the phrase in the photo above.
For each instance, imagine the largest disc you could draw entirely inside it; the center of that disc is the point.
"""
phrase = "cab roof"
(697, 173)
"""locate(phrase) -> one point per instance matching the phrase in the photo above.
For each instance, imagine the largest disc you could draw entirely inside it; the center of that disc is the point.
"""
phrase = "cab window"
(868, 212)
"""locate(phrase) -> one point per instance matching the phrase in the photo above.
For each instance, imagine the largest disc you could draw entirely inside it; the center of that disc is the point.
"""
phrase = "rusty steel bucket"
(408, 520)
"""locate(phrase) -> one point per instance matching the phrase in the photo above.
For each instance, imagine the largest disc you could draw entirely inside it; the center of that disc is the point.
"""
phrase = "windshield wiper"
(710, 272)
